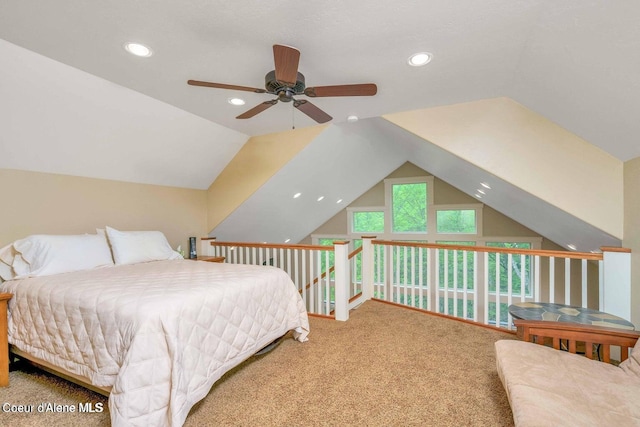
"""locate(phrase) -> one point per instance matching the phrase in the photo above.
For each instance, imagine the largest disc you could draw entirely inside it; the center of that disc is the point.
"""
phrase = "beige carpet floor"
(386, 366)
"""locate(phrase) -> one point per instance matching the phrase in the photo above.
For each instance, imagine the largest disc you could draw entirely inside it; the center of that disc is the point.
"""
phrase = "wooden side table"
(208, 258)
(4, 342)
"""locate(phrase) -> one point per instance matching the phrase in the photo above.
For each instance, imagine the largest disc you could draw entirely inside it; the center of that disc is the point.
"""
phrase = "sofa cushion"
(551, 387)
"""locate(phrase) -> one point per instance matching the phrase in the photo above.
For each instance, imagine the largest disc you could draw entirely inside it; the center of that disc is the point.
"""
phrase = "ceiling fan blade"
(224, 86)
(257, 109)
(286, 60)
(312, 111)
(365, 89)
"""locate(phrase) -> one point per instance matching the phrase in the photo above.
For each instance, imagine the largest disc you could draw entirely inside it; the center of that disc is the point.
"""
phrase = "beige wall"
(632, 231)
(541, 155)
(494, 223)
(41, 203)
(257, 161)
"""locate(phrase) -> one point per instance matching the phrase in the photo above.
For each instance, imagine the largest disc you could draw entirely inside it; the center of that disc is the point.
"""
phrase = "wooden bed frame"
(62, 373)
(84, 381)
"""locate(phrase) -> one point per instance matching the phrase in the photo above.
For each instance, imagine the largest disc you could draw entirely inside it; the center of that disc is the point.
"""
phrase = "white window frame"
(536, 242)
(477, 207)
(388, 201)
(315, 238)
(351, 211)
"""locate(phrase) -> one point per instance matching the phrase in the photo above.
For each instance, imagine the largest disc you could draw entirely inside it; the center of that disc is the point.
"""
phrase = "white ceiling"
(576, 62)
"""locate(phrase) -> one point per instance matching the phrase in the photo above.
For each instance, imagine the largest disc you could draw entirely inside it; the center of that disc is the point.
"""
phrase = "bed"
(154, 334)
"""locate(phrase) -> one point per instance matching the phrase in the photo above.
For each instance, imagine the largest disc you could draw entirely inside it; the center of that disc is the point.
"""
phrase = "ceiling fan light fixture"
(138, 49)
(352, 119)
(285, 82)
(236, 101)
(420, 59)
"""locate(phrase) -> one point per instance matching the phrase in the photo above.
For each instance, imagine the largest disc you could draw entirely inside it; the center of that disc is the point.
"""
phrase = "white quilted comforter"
(160, 333)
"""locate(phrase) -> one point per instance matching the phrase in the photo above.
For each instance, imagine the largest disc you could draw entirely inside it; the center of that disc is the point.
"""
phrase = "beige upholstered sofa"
(549, 387)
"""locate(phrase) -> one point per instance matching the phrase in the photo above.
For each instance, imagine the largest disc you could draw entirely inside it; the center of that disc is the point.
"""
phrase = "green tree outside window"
(409, 208)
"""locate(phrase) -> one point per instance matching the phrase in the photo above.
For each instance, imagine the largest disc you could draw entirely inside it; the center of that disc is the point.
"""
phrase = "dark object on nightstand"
(192, 248)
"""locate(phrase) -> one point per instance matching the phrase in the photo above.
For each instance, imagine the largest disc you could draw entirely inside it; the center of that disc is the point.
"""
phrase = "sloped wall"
(333, 169)
(57, 119)
(530, 152)
(257, 161)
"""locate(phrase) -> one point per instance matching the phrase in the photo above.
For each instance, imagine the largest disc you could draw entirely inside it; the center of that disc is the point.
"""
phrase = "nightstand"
(4, 342)
(208, 258)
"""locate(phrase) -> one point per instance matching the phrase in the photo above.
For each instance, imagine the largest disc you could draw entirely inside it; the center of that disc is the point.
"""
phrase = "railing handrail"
(274, 246)
(355, 252)
(333, 267)
(516, 251)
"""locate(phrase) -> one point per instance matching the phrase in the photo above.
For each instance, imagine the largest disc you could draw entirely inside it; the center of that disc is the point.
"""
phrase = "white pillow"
(7, 255)
(131, 247)
(43, 255)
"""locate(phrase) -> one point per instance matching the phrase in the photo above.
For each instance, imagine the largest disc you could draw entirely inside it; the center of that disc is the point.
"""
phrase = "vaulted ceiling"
(575, 62)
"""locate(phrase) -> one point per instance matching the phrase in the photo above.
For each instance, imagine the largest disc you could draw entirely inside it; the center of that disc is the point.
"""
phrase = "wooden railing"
(321, 273)
(479, 283)
(476, 283)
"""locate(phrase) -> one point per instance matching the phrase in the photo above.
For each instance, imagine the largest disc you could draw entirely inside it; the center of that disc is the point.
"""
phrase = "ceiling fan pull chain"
(293, 117)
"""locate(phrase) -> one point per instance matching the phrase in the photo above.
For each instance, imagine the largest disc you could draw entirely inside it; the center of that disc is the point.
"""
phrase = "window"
(454, 221)
(367, 221)
(408, 200)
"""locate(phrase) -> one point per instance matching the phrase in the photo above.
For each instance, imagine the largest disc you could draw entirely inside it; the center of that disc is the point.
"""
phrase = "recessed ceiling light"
(295, 196)
(572, 247)
(235, 101)
(480, 191)
(287, 241)
(320, 198)
(479, 196)
(138, 49)
(339, 201)
(485, 185)
(420, 59)
(352, 119)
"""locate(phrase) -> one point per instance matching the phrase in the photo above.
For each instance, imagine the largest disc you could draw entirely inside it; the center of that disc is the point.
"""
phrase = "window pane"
(456, 221)
(367, 222)
(409, 207)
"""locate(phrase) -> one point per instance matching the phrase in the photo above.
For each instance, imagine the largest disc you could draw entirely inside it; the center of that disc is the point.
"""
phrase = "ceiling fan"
(286, 82)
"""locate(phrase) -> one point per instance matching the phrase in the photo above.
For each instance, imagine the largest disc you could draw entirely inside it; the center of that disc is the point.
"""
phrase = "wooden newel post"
(342, 280)
(367, 267)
